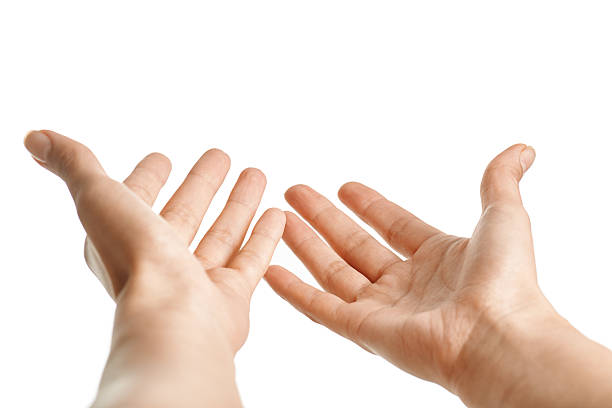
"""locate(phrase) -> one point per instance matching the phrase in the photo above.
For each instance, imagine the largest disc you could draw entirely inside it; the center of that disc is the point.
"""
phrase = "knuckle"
(373, 205)
(240, 202)
(67, 160)
(494, 179)
(251, 257)
(149, 176)
(205, 259)
(396, 229)
(91, 191)
(492, 173)
(183, 213)
(223, 235)
(353, 242)
(70, 161)
(505, 210)
(306, 242)
(142, 191)
(319, 216)
(264, 235)
(387, 266)
(497, 172)
(333, 272)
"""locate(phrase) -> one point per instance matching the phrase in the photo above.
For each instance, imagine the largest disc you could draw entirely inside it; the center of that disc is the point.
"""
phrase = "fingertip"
(300, 195)
(500, 182)
(517, 146)
(159, 156)
(220, 154)
(70, 160)
(254, 174)
(509, 152)
(275, 275)
(290, 217)
(350, 185)
(276, 210)
(38, 144)
(27, 135)
(349, 188)
(276, 213)
(527, 157)
(525, 153)
(294, 190)
(161, 159)
(271, 270)
(269, 274)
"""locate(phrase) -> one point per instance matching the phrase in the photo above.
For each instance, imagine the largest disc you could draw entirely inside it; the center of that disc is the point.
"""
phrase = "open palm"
(422, 312)
(131, 248)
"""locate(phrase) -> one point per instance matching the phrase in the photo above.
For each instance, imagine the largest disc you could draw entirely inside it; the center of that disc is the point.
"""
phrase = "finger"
(113, 218)
(500, 183)
(402, 230)
(253, 260)
(348, 239)
(68, 159)
(324, 308)
(149, 176)
(187, 207)
(226, 235)
(146, 180)
(332, 272)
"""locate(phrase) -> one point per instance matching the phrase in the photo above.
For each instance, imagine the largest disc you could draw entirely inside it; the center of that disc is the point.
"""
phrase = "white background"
(411, 97)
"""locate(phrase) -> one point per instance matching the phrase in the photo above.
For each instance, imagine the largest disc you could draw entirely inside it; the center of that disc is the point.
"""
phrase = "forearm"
(161, 356)
(181, 316)
(537, 361)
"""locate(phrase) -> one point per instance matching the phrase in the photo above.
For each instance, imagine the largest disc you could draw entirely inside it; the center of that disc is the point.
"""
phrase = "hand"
(462, 312)
(181, 316)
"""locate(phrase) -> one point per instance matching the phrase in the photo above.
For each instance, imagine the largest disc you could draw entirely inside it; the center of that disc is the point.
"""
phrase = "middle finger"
(186, 209)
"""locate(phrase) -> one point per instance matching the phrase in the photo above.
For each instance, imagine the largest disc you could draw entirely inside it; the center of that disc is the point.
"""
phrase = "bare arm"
(181, 316)
(465, 313)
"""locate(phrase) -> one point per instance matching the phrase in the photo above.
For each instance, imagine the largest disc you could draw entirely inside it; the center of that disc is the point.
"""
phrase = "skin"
(181, 316)
(466, 313)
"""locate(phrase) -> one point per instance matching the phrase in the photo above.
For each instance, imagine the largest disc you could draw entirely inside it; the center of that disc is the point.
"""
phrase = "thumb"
(500, 183)
(70, 160)
(116, 221)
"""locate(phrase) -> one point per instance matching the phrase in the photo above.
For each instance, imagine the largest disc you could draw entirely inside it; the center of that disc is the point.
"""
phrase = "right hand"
(181, 316)
(453, 310)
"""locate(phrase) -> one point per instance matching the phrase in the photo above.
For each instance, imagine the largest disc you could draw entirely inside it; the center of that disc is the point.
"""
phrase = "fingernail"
(527, 157)
(38, 144)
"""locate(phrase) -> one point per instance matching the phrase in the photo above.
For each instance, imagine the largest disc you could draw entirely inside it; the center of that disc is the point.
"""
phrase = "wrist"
(166, 349)
(532, 358)
(170, 316)
(159, 360)
(495, 358)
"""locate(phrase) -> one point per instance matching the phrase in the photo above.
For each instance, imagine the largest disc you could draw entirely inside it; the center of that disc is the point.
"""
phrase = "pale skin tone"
(181, 316)
(465, 313)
